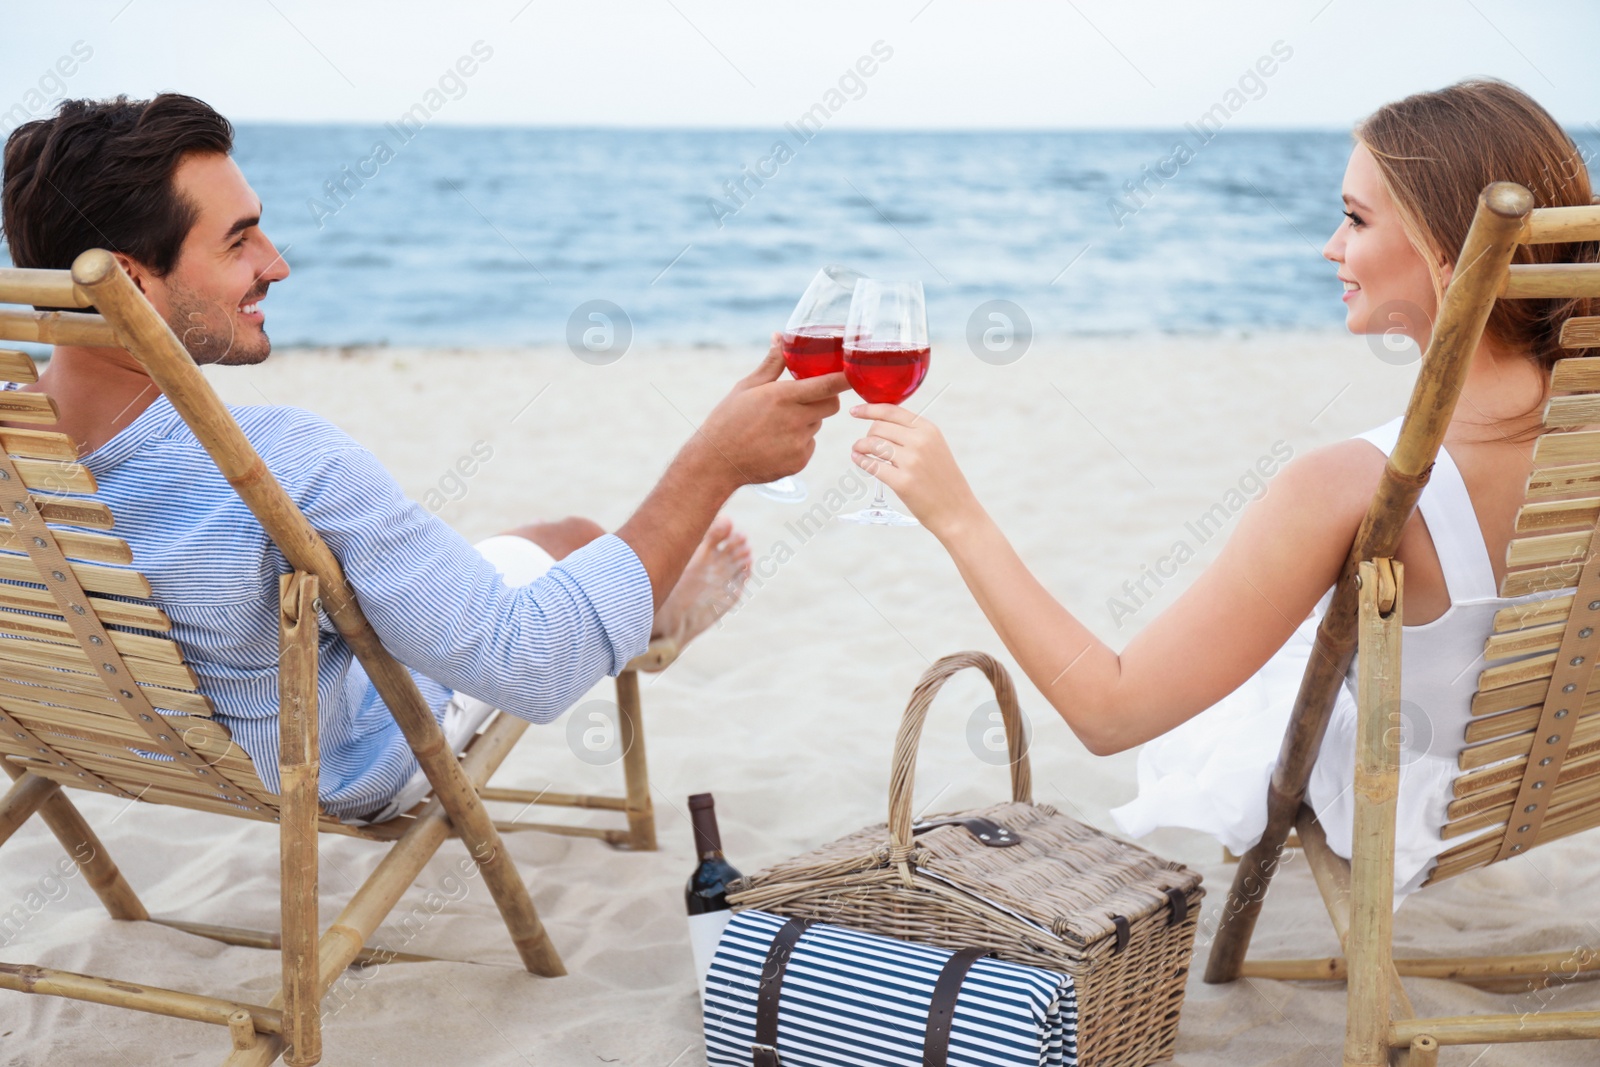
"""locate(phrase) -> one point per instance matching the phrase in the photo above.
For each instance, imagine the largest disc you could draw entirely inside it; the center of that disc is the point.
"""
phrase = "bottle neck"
(707, 839)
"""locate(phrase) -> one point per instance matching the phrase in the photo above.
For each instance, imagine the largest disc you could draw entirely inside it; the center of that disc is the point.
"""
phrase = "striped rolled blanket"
(814, 995)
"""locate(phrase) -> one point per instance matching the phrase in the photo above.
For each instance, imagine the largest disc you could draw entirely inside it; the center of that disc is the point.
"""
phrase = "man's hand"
(762, 430)
(766, 428)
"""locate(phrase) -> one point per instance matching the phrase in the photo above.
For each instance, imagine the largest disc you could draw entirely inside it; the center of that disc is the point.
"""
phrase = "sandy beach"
(1099, 456)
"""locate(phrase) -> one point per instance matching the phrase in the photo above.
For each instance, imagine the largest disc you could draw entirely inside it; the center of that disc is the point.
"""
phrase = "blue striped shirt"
(439, 607)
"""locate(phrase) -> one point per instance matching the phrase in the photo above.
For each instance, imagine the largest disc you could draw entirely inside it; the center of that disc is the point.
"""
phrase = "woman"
(1230, 643)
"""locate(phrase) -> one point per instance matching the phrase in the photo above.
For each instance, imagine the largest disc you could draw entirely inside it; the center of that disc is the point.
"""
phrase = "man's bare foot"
(711, 585)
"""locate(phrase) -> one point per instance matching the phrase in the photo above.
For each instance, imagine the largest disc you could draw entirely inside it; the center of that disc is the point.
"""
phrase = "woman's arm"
(1285, 553)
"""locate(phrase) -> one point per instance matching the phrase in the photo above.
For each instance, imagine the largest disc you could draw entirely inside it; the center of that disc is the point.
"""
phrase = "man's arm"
(440, 607)
(764, 429)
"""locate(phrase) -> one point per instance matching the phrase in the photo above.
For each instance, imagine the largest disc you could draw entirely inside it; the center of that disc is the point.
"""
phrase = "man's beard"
(210, 331)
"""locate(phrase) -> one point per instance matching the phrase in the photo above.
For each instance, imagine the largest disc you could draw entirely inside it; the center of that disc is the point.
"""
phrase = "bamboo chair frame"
(61, 709)
(1500, 774)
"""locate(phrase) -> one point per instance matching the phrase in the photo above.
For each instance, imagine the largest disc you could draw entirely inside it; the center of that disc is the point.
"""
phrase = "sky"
(934, 64)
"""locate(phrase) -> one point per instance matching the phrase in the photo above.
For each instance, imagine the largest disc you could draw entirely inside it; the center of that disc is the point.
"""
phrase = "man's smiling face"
(212, 296)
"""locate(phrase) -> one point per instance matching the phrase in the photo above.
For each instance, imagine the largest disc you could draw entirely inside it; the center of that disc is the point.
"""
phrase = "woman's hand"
(910, 454)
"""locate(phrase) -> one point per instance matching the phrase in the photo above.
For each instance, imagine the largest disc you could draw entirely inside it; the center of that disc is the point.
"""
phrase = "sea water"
(506, 236)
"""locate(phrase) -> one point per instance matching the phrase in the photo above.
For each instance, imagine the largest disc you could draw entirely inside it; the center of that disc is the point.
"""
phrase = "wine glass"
(886, 356)
(813, 343)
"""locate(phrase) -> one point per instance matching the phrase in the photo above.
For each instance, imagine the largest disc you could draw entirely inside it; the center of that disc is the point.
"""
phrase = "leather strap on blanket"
(942, 1008)
(1563, 704)
(764, 1053)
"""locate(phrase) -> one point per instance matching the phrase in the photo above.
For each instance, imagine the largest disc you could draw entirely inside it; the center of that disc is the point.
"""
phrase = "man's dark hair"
(98, 174)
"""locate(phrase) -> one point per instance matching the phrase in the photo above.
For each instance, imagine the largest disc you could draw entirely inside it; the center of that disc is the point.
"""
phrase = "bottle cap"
(703, 816)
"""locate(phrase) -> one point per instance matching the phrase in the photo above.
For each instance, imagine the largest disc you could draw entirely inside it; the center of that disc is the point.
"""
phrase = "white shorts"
(518, 559)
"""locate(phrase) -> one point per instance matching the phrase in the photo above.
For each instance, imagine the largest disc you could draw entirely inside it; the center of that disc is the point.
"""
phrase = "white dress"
(1211, 772)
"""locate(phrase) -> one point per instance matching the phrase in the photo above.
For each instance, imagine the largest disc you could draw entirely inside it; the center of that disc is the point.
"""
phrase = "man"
(154, 183)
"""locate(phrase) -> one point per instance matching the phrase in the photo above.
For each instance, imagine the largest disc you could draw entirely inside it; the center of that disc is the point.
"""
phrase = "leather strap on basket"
(1124, 932)
(942, 1008)
(986, 832)
(1180, 906)
(36, 537)
(1563, 703)
(902, 775)
(764, 1052)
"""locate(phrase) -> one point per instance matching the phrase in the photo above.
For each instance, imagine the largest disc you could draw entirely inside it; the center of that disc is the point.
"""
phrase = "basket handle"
(902, 776)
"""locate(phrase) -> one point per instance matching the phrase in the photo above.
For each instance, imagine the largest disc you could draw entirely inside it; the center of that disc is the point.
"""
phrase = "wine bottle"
(707, 892)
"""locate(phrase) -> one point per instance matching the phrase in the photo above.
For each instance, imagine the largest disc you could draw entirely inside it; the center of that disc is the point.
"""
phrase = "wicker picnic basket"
(1020, 880)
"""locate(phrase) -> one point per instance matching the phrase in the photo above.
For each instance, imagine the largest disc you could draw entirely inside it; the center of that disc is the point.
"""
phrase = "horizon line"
(1587, 127)
(666, 128)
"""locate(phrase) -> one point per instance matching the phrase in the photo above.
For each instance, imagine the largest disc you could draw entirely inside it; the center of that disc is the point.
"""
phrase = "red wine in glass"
(884, 372)
(886, 357)
(813, 350)
(813, 342)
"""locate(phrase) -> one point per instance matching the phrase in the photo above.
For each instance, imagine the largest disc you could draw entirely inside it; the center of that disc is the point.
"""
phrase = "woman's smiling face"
(1387, 285)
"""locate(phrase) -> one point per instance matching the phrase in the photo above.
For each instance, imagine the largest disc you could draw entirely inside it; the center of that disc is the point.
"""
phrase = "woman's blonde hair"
(1436, 151)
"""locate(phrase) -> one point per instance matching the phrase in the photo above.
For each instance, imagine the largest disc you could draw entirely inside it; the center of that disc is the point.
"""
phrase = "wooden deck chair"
(1530, 768)
(93, 696)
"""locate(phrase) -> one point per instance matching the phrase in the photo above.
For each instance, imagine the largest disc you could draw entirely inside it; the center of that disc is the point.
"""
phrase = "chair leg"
(81, 843)
(342, 942)
(298, 765)
(1492, 974)
(1377, 782)
(242, 1028)
(635, 804)
(1332, 874)
(28, 792)
(471, 821)
(1423, 1052)
(273, 942)
(635, 767)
